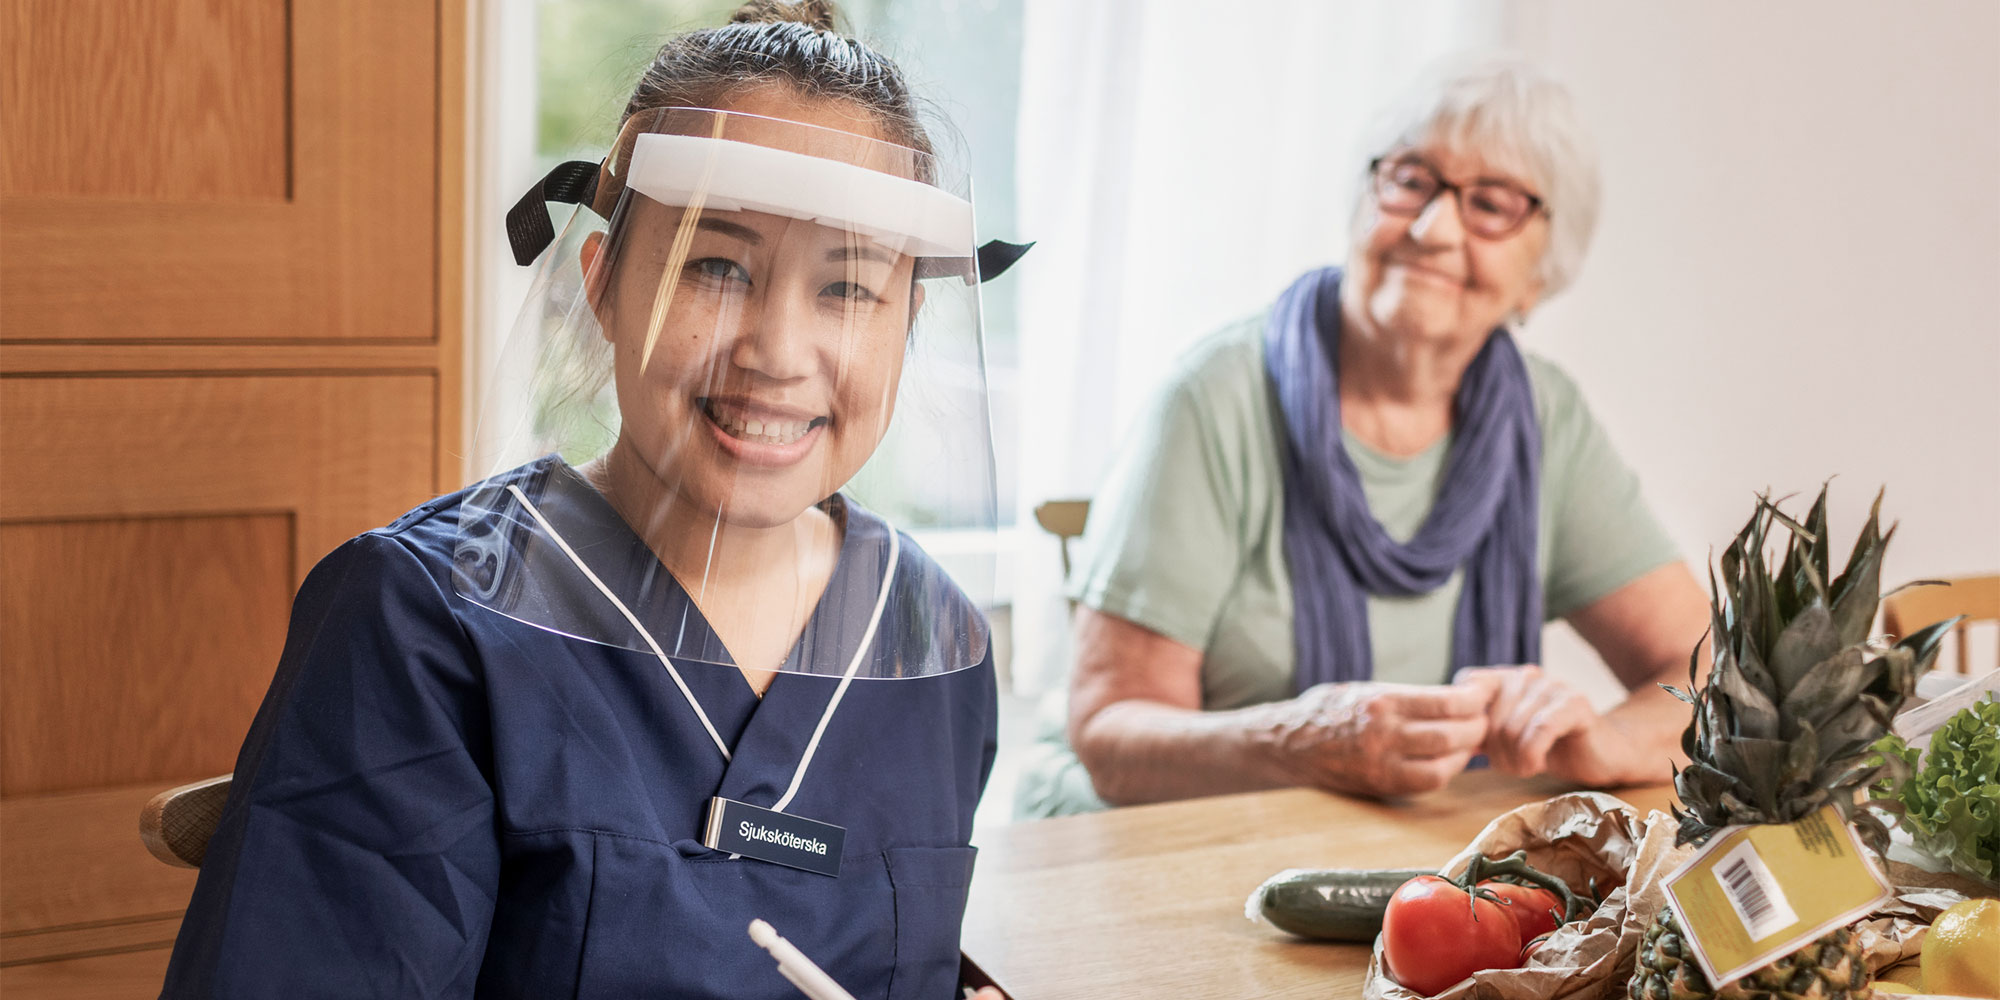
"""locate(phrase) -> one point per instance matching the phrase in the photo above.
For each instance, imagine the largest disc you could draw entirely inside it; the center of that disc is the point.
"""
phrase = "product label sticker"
(1754, 894)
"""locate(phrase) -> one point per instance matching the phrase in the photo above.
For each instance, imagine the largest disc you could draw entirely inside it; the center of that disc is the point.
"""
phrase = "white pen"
(795, 966)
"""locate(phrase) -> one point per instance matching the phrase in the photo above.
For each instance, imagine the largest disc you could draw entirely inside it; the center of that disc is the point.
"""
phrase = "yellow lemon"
(1962, 951)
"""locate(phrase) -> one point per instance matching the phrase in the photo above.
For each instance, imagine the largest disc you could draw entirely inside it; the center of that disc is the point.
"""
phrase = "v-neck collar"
(540, 545)
(629, 568)
(506, 561)
(766, 735)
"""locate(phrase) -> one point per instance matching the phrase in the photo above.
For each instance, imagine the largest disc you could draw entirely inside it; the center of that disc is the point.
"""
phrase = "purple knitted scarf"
(1483, 520)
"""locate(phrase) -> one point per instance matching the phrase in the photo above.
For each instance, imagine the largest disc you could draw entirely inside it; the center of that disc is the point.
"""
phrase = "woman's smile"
(1426, 272)
(757, 434)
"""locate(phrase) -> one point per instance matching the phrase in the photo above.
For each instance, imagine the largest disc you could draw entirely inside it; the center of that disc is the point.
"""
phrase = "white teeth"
(761, 431)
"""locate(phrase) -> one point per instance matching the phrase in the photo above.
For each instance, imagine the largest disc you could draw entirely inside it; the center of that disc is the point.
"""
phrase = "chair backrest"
(1975, 597)
(1063, 519)
(177, 823)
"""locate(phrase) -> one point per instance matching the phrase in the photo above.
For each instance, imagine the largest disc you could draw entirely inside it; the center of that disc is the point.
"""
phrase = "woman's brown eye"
(719, 269)
(850, 291)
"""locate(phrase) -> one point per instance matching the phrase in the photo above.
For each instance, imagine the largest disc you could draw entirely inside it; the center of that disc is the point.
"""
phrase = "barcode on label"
(1756, 897)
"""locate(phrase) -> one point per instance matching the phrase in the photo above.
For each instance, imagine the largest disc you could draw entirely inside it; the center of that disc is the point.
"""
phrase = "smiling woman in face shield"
(568, 731)
(1327, 558)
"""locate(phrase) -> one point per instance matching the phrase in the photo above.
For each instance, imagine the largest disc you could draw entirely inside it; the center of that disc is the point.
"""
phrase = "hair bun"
(820, 14)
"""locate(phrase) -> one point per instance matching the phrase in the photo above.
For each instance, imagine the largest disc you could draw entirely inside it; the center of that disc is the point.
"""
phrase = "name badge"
(767, 835)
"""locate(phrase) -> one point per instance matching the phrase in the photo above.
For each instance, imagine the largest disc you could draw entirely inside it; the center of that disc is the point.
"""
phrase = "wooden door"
(229, 311)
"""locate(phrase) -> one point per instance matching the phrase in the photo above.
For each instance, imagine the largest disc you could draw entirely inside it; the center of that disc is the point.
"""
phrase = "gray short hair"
(1510, 112)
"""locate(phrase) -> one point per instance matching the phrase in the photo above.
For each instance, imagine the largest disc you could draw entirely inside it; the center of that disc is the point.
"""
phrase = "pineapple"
(1796, 695)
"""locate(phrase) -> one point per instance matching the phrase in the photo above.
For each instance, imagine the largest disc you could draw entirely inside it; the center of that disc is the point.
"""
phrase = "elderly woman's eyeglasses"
(1489, 209)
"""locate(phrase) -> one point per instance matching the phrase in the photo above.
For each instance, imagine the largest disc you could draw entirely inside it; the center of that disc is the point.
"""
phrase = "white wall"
(1797, 270)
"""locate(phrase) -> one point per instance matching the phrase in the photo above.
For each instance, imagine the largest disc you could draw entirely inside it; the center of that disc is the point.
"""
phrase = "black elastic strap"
(999, 255)
(992, 260)
(529, 230)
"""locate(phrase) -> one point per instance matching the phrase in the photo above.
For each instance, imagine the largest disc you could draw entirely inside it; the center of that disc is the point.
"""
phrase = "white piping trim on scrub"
(853, 666)
(693, 702)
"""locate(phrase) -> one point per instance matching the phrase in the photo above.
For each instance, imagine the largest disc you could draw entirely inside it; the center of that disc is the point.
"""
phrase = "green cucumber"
(1332, 904)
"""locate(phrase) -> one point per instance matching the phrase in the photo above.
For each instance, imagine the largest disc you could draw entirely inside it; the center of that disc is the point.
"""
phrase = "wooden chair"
(1063, 519)
(1975, 597)
(177, 823)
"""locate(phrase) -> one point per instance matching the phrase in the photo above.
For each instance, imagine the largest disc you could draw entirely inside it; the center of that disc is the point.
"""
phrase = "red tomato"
(1431, 938)
(1534, 943)
(1536, 909)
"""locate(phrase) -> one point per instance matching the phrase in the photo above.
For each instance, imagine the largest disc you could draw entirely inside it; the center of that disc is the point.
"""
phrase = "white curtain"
(1179, 162)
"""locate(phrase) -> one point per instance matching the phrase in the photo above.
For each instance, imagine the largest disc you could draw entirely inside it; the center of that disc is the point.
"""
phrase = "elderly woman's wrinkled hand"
(1383, 740)
(1537, 724)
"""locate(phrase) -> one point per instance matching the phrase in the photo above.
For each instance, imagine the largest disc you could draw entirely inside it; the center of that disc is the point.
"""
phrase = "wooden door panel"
(155, 529)
(322, 226)
(73, 863)
(339, 453)
(138, 271)
(154, 668)
(145, 100)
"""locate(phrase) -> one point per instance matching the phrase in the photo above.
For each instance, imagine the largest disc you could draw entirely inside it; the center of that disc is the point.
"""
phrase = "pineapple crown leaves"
(1798, 690)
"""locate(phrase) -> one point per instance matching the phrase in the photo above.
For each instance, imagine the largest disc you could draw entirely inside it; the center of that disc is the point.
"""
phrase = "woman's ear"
(916, 303)
(1531, 298)
(593, 280)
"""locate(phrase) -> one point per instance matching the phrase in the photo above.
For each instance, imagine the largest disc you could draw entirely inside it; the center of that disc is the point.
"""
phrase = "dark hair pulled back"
(769, 41)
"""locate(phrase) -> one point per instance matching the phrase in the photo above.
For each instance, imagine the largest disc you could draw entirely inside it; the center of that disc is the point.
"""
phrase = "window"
(962, 58)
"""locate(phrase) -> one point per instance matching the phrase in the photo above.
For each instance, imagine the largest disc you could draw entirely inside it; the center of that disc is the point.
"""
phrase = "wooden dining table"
(1148, 901)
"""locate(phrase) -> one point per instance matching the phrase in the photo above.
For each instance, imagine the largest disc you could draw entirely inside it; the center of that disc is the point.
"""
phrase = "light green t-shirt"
(1186, 537)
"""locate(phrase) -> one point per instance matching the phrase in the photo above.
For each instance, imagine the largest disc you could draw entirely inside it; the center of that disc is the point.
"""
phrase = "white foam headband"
(909, 216)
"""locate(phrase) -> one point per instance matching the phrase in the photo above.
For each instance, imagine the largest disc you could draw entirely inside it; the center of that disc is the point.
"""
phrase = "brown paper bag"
(1895, 931)
(1579, 837)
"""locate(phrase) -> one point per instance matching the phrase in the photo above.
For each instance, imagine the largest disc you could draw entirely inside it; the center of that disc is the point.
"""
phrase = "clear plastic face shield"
(756, 348)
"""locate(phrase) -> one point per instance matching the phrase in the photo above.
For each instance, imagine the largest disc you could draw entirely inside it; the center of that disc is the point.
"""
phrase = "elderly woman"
(1328, 556)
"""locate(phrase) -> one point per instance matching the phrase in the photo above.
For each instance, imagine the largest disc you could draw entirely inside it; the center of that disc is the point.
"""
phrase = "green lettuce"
(1951, 805)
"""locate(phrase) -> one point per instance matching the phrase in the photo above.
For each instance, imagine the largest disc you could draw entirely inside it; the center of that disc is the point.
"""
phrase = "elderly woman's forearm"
(1144, 751)
(1652, 720)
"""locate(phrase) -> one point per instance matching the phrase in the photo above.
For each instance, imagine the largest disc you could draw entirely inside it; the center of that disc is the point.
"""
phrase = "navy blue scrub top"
(436, 800)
